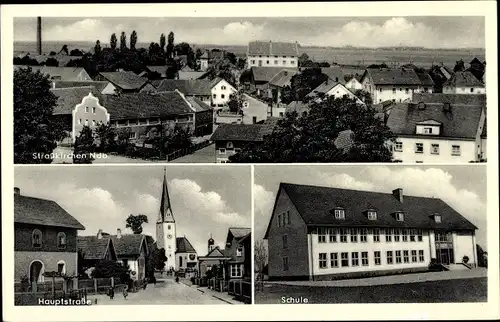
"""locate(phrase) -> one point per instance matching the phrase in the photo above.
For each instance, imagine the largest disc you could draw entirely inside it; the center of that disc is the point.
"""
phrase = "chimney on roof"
(118, 233)
(17, 191)
(99, 234)
(398, 194)
(39, 35)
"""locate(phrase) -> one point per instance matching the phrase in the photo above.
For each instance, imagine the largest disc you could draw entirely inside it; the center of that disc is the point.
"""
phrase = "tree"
(105, 134)
(172, 71)
(76, 52)
(162, 42)
(135, 223)
(26, 60)
(365, 96)
(232, 58)
(260, 259)
(378, 66)
(123, 42)
(482, 257)
(52, 53)
(113, 41)
(459, 66)
(109, 268)
(304, 58)
(170, 45)
(235, 104)
(64, 50)
(97, 49)
(84, 146)
(133, 40)
(312, 137)
(156, 261)
(303, 83)
(51, 62)
(35, 130)
(287, 95)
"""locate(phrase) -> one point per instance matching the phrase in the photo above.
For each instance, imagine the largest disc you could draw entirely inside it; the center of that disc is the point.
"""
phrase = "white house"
(272, 54)
(353, 84)
(323, 233)
(463, 83)
(330, 88)
(387, 84)
(437, 130)
(221, 91)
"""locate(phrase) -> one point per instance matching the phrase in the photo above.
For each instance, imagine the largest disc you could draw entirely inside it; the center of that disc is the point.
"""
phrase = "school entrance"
(444, 248)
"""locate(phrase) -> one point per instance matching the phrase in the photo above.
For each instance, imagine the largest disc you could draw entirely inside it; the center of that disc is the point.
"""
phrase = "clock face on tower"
(169, 236)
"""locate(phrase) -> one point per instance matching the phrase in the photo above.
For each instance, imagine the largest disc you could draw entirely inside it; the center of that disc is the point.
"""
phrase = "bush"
(107, 269)
(465, 260)
(434, 266)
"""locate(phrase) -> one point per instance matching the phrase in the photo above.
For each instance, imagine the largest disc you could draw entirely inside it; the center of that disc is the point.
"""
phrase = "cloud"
(264, 202)
(240, 33)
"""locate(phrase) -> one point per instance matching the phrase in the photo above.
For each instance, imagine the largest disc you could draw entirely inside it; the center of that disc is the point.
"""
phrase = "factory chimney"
(39, 35)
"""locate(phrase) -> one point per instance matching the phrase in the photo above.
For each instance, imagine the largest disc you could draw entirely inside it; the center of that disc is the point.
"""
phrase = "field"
(443, 291)
(342, 56)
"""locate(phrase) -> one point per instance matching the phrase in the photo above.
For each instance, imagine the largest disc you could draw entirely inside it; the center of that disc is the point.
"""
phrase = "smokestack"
(39, 35)
(99, 234)
(17, 191)
(398, 194)
(118, 233)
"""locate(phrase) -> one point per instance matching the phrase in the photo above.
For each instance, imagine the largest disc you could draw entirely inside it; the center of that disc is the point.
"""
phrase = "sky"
(205, 200)
(461, 187)
(432, 32)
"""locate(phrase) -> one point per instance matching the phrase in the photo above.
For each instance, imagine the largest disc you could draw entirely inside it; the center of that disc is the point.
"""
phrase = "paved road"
(165, 291)
(205, 155)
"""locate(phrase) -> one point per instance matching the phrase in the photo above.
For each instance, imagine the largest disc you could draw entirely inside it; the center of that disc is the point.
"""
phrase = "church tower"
(211, 244)
(165, 226)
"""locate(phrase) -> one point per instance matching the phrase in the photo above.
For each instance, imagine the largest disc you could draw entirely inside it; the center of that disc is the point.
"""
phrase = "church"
(181, 255)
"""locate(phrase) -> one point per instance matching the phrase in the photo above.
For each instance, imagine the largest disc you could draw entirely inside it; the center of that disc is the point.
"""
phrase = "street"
(166, 291)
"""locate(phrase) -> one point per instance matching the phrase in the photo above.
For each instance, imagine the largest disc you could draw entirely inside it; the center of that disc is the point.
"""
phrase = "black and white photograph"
(132, 235)
(357, 234)
(251, 89)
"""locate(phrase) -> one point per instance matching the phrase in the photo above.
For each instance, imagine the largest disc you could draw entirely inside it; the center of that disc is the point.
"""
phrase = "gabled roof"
(68, 84)
(216, 252)
(283, 78)
(238, 132)
(198, 104)
(266, 74)
(93, 247)
(323, 88)
(389, 76)
(476, 99)
(190, 75)
(184, 246)
(269, 48)
(145, 105)
(36, 211)
(475, 61)
(462, 122)
(336, 74)
(68, 98)
(125, 80)
(129, 244)
(315, 203)
(425, 79)
(202, 87)
(463, 79)
(237, 233)
(62, 73)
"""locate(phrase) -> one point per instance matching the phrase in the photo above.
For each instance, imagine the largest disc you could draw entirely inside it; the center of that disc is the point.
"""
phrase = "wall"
(354, 84)
(80, 117)
(484, 145)
(272, 61)
(400, 95)
(169, 244)
(228, 118)
(218, 92)
(110, 89)
(253, 107)
(339, 91)
(278, 111)
(144, 128)
(464, 90)
(464, 245)
(221, 157)
(185, 261)
(297, 250)
(468, 150)
(206, 264)
(370, 246)
(84, 76)
(23, 259)
(23, 238)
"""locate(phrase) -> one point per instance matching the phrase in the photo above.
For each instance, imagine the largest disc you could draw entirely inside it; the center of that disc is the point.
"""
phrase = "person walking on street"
(112, 293)
(125, 293)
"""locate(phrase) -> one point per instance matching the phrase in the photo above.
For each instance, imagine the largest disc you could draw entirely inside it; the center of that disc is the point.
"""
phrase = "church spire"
(165, 214)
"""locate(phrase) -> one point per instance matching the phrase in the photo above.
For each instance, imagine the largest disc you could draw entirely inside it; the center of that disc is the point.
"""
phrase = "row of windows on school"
(354, 259)
(355, 235)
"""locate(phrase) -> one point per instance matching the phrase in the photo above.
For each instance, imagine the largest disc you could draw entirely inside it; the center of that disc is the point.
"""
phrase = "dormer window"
(437, 219)
(339, 213)
(372, 215)
(229, 145)
(400, 216)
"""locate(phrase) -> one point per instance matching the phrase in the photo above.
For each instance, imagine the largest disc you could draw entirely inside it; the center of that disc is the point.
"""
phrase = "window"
(61, 240)
(425, 89)
(229, 145)
(434, 148)
(397, 233)
(322, 260)
(344, 259)
(284, 62)
(267, 62)
(321, 235)
(332, 233)
(236, 270)
(276, 62)
(376, 235)
(427, 130)
(279, 220)
(388, 235)
(214, 96)
(354, 259)
(472, 90)
(86, 109)
(354, 235)
(253, 61)
(93, 122)
(223, 88)
(376, 256)
(281, 114)
(285, 263)
(364, 258)
(285, 241)
(339, 214)
(393, 90)
(239, 251)
(413, 233)
(398, 257)
(36, 238)
(169, 227)
(343, 235)
(380, 90)
(334, 260)
(437, 219)
(288, 217)
(419, 235)
(419, 148)
(405, 235)
(407, 90)
(406, 256)
(421, 256)
(222, 151)
(93, 110)
(400, 216)
(455, 150)
(86, 122)
(79, 121)
(61, 267)
(372, 215)
(413, 256)
(222, 96)
(292, 62)
(390, 260)
(363, 232)
(125, 262)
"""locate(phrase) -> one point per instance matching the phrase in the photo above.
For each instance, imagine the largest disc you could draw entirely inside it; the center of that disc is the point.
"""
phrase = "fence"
(241, 290)
(218, 284)
(182, 152)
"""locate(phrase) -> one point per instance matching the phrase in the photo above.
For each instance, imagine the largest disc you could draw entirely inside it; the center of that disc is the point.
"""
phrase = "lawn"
(457, 290)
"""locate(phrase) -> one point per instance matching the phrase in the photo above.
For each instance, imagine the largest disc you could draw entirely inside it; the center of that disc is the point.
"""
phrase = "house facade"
(131, 251)
(353, 84)
(221, 92)
(45, 239)
(329, 89)
(230, 139)
(322, 233)
(464, 83)
(439, 128)
(272, 54)
(93, 249)
(238, 249)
